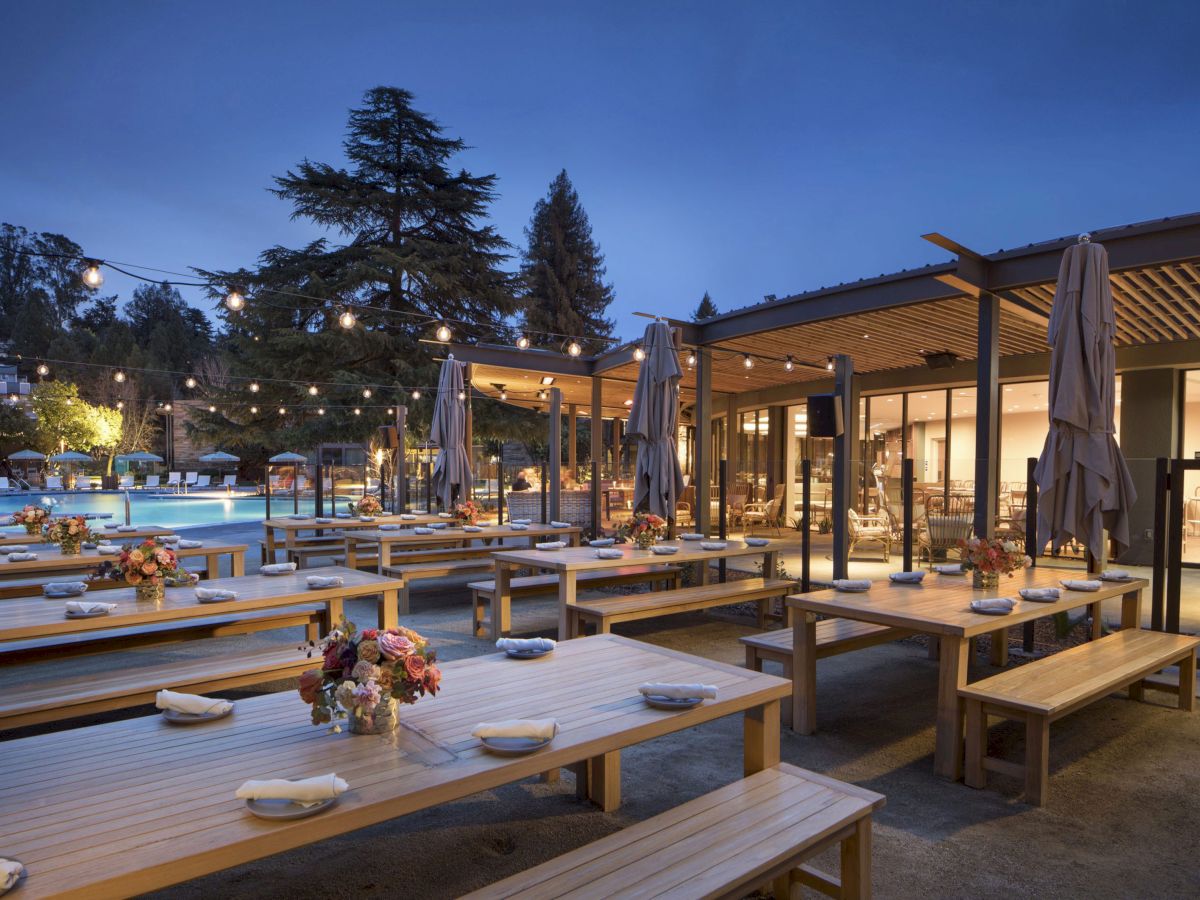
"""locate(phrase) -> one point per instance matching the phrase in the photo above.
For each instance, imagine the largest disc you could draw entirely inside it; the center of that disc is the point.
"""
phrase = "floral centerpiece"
(643, 529)
(32, 517)
(68, 532)
(369, 505)
(149, 567)
(468, 513)
(987, 560)
(364, 674)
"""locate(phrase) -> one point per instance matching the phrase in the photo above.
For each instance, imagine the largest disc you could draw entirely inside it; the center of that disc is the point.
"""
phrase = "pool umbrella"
(295, 459)
(219, 456)
(71, 456)
(653, 420)
(1083, 483)
(452, 469)
(27, 455)
(141, 456)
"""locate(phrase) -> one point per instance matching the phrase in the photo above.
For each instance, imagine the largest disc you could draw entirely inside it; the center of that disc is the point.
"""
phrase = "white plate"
(664, 551)
(175, 717)
(526, 654)
(514, 746)
(691, 537)
(991, 612)
(87, 615)
(287, 809)
(713, 545)
(671, 702)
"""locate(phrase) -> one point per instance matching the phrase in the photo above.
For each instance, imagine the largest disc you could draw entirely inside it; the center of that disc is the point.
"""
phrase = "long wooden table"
(36, 617)
(127, 807)
(382, 542)
(570, 561)
(940, 607)
(291, 528)
(9, 538)
(52, 561)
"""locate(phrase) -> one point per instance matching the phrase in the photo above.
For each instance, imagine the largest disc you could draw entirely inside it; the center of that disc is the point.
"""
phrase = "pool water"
(167, 510)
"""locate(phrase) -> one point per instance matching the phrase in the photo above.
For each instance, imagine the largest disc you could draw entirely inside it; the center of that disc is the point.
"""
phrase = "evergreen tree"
(706, 310)
(562, 271)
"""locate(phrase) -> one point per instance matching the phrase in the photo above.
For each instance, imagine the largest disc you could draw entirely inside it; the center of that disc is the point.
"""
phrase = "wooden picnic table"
(174, 787)
(383, 541)
(940, 607)
(8, 538)
(570, 561)
(37, 617)
(51, 560)
(292, 526)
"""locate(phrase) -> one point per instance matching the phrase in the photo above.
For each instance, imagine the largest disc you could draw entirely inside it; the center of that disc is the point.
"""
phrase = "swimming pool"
(168, 510)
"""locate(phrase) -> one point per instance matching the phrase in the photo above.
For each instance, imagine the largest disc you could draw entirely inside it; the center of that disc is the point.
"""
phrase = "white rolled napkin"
(522, 521)
(80, 607)
(126, 528)
(907, 577)
(18, 548)
(170, 539)
(518, 526)
(525, 644)
(215, 594)
(64, 587)
(1115, 575)
(278, 568)
(472, 528)
(366, 518)
(21, 557)
(1040, 595)
(389, 526)
(344, 515)
(422, 531)
(535, 729)
(306, 792)
(1081, 584)
(551, 545)
(438, 526)
(111, 524)
(297, 516)
(444, 515)
(554, 524)
(108, 549)
(103, 542)
(190, 545)
(325, 581)
(407, 517)
(323, 520)
(10, 873)
(851, 584)
(949, 569)
(993, 603)
(606, 553)
(691, 536)
(678, 691)
(192, 704)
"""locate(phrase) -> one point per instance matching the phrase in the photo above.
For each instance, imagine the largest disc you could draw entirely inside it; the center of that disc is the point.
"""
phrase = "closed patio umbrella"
(295, 459)
(452, 468)
(653, 420)
(1083, 483)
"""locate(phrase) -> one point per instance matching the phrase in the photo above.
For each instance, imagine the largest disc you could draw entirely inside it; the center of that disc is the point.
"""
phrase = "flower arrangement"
(369, 505)
(468, 513)
(643, 529)
(32, 517)
(987, 560)
(364, 673)
(149, 567)
(68, 532)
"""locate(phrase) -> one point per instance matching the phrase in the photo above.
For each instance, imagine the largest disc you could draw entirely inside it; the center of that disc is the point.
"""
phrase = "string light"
(367, 393)
(416, 395)
(120, 404)
(320, 410)
(119, 377)
(234, 301)
(190, 381)
(462, 395)
(346, 319)
(523, 342)
(357, 411)
(254, 410)
(43, 369)
(829, 364)
(254, 387)
(282, 411)
(312, 390)
(503, 394)
(444, 333)
(691, 359)
(166, 406)
(390, 411)
(748, 361)
(639, 354)
(212, 408)
(789, 365)
(92, 276)
(573, 348)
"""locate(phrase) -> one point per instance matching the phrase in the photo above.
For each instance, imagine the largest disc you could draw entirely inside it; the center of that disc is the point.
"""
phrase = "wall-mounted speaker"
(824, 415)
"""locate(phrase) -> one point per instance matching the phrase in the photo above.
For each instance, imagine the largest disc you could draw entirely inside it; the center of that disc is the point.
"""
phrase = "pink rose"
(310, 684)
(394, 646)
(415, 667)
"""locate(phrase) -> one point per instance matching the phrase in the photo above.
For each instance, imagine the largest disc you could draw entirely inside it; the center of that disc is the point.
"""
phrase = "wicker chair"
(868, 530)
(769, 515)
(939, 533)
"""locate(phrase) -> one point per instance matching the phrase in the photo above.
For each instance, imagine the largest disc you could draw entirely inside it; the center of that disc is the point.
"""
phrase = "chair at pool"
(4, 485)
(229, 482)
(203, 481)
(189, 480)
(151, 482)
(54, 483)
(126, 482)
(175, 481)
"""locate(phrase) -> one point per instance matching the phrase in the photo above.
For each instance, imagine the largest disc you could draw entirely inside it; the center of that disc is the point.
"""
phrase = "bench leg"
(604, 780)
(312, 631)
(1097, 621)
(1137, 691)
(501, 598)
(804, 674)
(1037, 759)
(975, 775)
(1187, 683)
(387, 607)
(762, 614)
(478, 605)
(856, 862)
(331, 615)
(753, 660)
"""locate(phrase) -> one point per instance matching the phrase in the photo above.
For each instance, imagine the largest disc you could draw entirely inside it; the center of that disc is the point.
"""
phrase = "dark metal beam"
(703, 416)
(548, 361)
(613, 359)
(555, 453)
(843, 461)
(987, 415)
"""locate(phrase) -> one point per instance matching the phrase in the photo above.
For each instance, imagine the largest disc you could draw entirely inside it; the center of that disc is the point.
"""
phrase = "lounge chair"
(229, 482)
(175, 481)
(151, 482)
(54, 483)
(203, 481)
(126, 482)
(4, 485)
(189, 480)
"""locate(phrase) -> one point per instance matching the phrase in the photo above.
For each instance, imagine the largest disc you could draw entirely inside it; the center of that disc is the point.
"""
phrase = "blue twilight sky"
(741, 148)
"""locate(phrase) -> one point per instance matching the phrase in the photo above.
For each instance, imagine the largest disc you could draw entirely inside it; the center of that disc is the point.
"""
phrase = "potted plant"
(149, 567)
(369, 505)
(365, 674)
(643, 529)
(468, 513)
(32, 517)
(987, 560)
(69, 532)
(824, 526)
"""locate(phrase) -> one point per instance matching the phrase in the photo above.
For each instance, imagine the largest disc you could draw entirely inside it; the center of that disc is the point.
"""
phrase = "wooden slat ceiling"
(522, 386)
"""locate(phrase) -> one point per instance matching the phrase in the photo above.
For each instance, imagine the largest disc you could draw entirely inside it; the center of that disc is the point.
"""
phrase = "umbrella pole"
(267, 475)
(296, 487)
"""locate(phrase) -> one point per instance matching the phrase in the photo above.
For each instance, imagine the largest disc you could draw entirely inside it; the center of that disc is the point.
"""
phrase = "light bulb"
(523, 342)
(462, 395)
(691, 359)
(443, 333)
(119, 376)
(829, 364)
(70, 400)
(43, 369)
(357, 411)
(190, 381)
(166, 407)
(504, 395)
(320, 410)
(639, 354)
(120, 404)
(312, 390)
(254, 410)
(254, 387)
(282, 411)
(789, 365)
(92, 276)
(416, 395)
(346, 319)
(234, 301)
(212, 408)
(367, 393)
(748, 361)
(390, 411)
(573, 348)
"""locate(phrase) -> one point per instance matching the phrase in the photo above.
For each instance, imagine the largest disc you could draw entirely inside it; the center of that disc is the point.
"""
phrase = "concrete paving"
(1121, 819)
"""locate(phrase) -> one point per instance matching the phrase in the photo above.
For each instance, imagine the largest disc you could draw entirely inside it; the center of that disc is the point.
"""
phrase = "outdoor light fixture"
(444, 333)
(254, 387)
(92, 276)
(190, 381)
(212, 408)
(748, 361)
(462, 395)
(573, 348)
(234, 301)
(367, 393)
(639, 354)
(254, 410)
(523, 342)
(629, 403)
(120, 404)
(312, 390)
(166, 406)
(503, 394)
(691, 359)
(346, 319)
(119, 376)
(829, 364)
(43, 369)
(282, 411)
(416, 395)
(320, 410)
(390, 411)
(357, 411)
(541, 395)
(789, 364)
(547, 380)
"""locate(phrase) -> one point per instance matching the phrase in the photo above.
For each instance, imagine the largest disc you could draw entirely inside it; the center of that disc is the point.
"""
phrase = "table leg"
(212, 565)
(268, 545)
(334, 610)
(501, 602)
(604, 780)
(1131, 609)
(952, 674)
(389, 603)
(804, 673)
(760, 737)
(1187, 683)
(856, 861)
(352, 554)
(566, 597)
(1095, 611)
(237, 565)
(998, 654)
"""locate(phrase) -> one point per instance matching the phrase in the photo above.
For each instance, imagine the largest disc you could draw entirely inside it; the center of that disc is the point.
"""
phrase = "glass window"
(962, 439)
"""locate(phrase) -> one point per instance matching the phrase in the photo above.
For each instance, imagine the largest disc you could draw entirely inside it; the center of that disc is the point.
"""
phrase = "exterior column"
(469, 432)
(702, 417)
(597, 426)
(846, 396)
(731, 444)
(1150, 424)
(572, 430)
(399, 468)
(618, 436)
(987, 414)
(555, 469)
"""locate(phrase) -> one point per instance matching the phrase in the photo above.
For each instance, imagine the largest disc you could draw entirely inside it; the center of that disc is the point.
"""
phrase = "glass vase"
(151, 592)
(644, 541)
(383, 718)
(33, 528)
(984, 580)
(69, 546)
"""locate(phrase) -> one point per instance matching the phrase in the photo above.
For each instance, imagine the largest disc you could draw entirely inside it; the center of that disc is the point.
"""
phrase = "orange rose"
(149, 568)
(133, 577)
(137, 557)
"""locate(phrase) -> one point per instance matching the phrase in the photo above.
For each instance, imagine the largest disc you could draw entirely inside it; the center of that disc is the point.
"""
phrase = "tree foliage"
(64, 419)
(40, 287)
(563, 292)
(705, 310)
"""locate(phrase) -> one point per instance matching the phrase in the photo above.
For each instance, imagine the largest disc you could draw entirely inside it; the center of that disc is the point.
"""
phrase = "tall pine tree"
(706, 310)
(562, 273)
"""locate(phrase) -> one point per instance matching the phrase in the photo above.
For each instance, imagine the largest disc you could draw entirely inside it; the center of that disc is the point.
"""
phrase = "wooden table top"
(118, 809)
(571, 559)
(310, 523)
(9, 538)
(942, 603)
(51, 559)
(408, 536)
(31, 617)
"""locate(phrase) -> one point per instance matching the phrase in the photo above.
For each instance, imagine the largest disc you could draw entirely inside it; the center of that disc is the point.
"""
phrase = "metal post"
(127, 510)
(805, 526)
(1031, 539)
(319, 487)
(907, 477)
(1158, 577)
(702, 417)
(400, 464)
(722, 510)
(1174, 547)
(296, 488)
(595, 496)
(267, 475)
(572, 440)
(467, 491)
(555, 453)
(987, 414)
(843, 462)
(543, 493)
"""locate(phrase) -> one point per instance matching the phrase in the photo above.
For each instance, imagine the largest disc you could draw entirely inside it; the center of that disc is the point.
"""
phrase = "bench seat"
(603, 612)
(67, 698)
(411, 572)
(1049, 688)
(727, 843)
(483, 593)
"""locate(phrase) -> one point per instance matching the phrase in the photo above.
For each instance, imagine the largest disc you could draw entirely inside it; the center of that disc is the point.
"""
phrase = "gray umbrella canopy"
(452, 468)
(288, 457)
(141, 456)
(71, 456)
(1083, 483)
(653, 420)
(27, 454)
(219, 456)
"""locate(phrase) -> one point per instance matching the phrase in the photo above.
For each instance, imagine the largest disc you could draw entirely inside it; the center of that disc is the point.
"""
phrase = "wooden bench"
(603, 612)
(423, 571)
(67, 698)
(727, 843)
(834, 636)
(1049, 688)
(483, 593)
